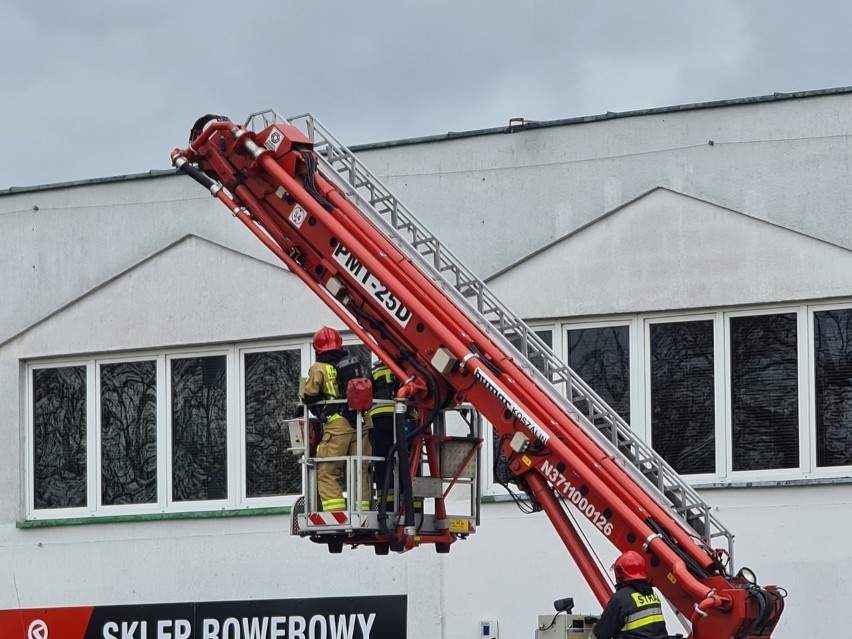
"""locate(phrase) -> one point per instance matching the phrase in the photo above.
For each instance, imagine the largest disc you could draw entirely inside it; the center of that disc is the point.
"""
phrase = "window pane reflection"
(536, 359)
(129, 433)
(59, 437)
(363, 354)
(271, 388)
(199, 428)
(682, 395)
(601, 357)
(833, 381)
(764, 392)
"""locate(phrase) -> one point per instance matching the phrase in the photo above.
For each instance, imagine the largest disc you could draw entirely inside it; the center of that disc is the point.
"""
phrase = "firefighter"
(338, 427)
(385, 386)
(634, 610)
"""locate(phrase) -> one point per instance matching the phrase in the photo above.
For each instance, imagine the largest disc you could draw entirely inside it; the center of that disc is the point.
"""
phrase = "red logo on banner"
(45, 623)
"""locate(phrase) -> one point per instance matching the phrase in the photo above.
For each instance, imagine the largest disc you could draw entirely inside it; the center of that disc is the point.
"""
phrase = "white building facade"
(693, 264)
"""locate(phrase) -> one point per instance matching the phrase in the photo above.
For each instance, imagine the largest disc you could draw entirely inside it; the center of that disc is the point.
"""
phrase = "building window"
(764, 392)
(271, 398)
(199, 428)
(363, 354)
(163, 432)
(535, 358)
(128, 400)
(59, 437)
(833, 387)
(683, 416)
(601, 357)
(725, 394)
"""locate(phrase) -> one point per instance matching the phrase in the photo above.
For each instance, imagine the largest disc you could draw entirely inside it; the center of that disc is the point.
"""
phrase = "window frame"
(231, 459)
(820, 471)
(635, 366)
(639, 327)
(306, 359)
(91, 412)
(804, 424)
(164, 504)
(640, 402)
(162, 410)
(719, 434)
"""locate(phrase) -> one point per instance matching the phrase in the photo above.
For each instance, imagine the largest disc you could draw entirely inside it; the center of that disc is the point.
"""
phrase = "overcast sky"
(93, 89)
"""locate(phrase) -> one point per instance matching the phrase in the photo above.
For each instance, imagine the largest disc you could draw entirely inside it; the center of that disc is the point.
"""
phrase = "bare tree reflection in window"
(59, 437)
(199, 428)
(833, 380)
(271, 396)
(764, 392)
(601, 357)
(535, 358)
(363, 354)
(129, 433)
(682, 395)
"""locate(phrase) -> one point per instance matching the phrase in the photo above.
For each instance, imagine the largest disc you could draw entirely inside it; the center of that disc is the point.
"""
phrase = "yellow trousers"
(339, 440)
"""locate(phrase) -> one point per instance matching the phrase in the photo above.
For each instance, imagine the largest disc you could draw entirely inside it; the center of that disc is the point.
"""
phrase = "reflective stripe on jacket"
(322, 382)
(331, 390)
(384, 387)
(632, 613)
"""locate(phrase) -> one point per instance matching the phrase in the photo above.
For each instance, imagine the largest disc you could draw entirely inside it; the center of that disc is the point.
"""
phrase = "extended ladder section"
(421, 246)
(450, 341)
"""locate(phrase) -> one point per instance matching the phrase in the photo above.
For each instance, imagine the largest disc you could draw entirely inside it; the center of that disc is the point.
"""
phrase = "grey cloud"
(94, 89)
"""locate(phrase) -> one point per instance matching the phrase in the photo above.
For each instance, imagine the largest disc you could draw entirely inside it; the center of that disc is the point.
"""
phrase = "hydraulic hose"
(182, 164)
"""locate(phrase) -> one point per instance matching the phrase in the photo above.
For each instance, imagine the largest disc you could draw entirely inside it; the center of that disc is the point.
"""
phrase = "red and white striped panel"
(334, 518)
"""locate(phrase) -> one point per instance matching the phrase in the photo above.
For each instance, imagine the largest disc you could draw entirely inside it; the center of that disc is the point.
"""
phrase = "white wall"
(791, 536)
(494, 199)
(654, 254)
(81, 237)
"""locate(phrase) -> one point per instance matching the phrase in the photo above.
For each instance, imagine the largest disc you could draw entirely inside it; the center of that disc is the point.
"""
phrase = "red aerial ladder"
(439, 328)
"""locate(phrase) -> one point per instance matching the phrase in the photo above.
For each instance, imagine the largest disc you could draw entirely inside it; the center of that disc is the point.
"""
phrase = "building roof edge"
(516, 125)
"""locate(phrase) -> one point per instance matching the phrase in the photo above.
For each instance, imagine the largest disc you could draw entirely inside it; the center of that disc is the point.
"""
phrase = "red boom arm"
(269, 180)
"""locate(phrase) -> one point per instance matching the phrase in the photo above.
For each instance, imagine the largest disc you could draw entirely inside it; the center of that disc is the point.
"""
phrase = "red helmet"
(631, 565)
(327, 339)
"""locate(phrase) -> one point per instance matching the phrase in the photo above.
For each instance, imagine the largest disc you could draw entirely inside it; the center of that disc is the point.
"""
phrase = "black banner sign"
(327, 618)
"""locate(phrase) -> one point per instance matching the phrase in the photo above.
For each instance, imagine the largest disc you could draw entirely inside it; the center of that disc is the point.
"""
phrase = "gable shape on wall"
(191, 292)
(669, 251)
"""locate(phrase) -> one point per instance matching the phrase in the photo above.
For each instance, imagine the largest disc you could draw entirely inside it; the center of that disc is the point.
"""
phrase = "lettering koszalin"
(516, 410)
(351, 626)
